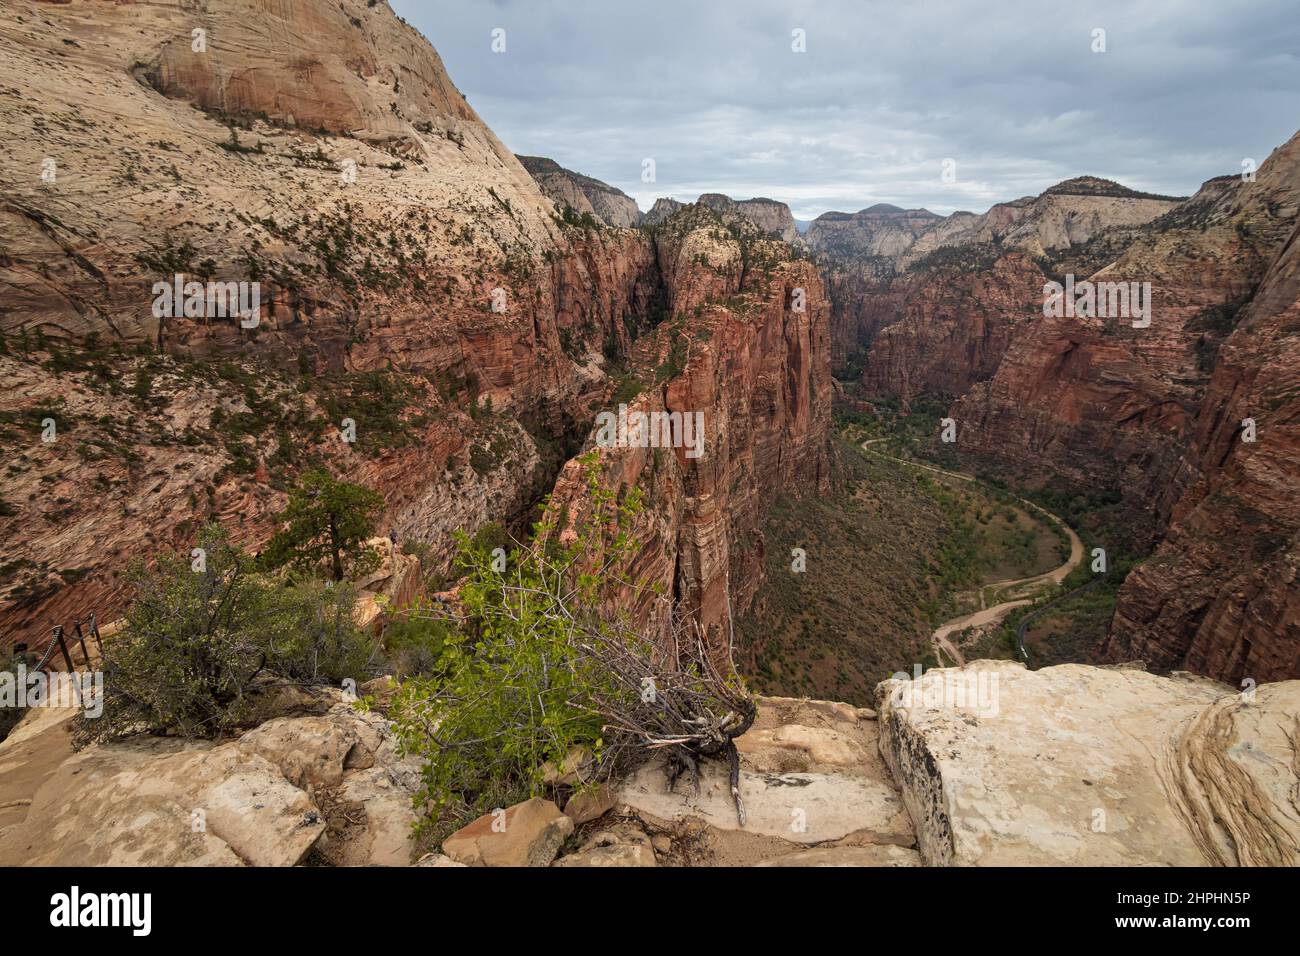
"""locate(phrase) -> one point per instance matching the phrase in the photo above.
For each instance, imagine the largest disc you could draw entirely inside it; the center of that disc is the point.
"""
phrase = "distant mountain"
(879, 230)
(661, 210)
(772, 217)
(1064, 215)
(582, 193)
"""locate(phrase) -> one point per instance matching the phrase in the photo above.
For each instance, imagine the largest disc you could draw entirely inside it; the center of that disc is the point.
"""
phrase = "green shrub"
(196, 638)
(416, 638)
(314, 638)
(191, 646)
(514, 688)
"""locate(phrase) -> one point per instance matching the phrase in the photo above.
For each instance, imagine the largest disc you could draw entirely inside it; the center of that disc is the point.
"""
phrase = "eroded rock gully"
(747, 348)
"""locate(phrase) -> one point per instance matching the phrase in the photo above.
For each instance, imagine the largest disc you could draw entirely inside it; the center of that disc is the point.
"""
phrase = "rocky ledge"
(1077, 765)
(990, 764)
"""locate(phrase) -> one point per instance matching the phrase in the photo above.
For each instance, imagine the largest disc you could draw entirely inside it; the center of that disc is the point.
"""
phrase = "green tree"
(203, 633)
(540, 665)
(190, 649)
(327, 521)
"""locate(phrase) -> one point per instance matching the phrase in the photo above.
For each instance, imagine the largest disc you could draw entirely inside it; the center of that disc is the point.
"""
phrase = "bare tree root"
(683, 705)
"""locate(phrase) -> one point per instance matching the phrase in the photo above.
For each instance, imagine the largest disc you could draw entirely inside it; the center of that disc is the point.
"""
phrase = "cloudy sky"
(715, 94)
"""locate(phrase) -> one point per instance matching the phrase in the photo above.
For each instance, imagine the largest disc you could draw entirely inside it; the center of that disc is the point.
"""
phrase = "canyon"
(471, 312)
(952, 308)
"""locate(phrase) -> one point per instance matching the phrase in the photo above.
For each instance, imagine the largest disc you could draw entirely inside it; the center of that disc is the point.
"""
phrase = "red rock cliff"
(747, 346)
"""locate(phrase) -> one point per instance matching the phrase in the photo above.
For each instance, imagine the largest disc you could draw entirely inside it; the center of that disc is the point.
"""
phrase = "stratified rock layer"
(747, 349)
(582, 194)
(1079, 766)
(384, 223)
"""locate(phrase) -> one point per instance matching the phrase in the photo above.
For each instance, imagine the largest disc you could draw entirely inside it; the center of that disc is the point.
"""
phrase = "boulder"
(1080, 766)
(330, 782)
(310, 751)
(527, 834)
(618, 846)
(586, 805)
(163, 803)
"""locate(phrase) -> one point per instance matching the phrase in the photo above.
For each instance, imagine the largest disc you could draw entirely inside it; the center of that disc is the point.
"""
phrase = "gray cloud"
(886, 91)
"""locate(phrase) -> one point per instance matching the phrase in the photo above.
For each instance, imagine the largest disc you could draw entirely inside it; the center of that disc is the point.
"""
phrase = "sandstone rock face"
(934, 302)
(808, 776)
(527, 834)
(378, 222)
(879, 231)
(771, 217)
(266, 799)
(661, 210)
(582, 193)
(585, 806)
(950, 328)
(1074, 765)
(348, 68)
(1116, 407)
(740, 353)
(1066, 214)
(133, 805)
(1221, 594)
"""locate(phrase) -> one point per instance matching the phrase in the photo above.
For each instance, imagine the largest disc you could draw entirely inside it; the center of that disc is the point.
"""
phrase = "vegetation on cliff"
(203, 628)
(540, 672)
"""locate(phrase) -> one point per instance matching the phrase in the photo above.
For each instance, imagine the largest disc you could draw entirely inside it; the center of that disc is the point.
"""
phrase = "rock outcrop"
(989, 764)
(747, 349)
(1081, 766)
(527, 834)
(1067, 214)
(882, 231)
(391, 234)
(1221, 594)
(1114, 407)
(329, 784)
(661, 210)
(1150, 416)
(581, 193)
(771, 217)
(931, 303)
(811, 775)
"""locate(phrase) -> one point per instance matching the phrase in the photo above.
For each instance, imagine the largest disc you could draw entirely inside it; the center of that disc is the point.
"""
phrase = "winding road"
(1029, 588)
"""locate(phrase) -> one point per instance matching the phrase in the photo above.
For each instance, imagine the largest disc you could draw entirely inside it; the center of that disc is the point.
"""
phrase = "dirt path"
(1031, 587)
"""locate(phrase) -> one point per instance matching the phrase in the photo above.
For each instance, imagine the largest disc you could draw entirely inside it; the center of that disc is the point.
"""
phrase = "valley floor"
(896, 561)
